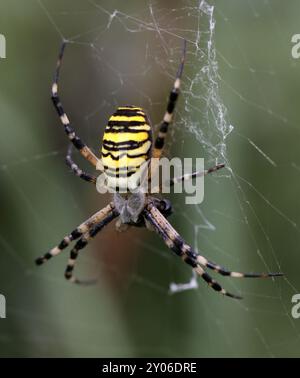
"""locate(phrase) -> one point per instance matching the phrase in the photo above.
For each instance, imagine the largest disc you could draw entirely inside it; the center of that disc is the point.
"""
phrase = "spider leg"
(82, 243)
(180, 247)
(76, 170)
(77, 142)
(180, 243)
(190, 176)
(76, 234)
(163, 128)
(189, 260)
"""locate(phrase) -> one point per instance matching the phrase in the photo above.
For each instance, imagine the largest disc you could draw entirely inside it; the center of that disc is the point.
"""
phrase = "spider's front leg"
(77, 142)
(163, 128)
(76, 170)
(177, 244)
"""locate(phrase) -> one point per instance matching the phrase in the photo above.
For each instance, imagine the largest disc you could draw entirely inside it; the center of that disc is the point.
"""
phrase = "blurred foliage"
(130, 313)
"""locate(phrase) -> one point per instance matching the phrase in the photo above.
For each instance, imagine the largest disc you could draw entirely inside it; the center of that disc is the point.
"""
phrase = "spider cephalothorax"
(130, 206)
(126, 149)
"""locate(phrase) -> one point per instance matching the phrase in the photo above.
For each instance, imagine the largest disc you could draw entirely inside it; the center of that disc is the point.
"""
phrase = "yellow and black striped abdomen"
(126, 146)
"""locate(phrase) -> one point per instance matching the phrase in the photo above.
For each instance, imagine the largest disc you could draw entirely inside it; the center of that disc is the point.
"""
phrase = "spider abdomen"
(126, 147)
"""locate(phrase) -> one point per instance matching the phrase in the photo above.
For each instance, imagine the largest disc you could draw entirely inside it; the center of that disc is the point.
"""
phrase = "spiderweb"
(233, 108)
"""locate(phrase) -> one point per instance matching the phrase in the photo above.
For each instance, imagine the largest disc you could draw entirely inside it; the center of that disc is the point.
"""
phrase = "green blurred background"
(250, 215)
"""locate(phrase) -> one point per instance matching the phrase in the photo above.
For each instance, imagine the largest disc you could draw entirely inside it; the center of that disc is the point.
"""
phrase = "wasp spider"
(127, 144)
